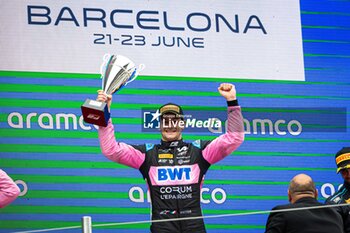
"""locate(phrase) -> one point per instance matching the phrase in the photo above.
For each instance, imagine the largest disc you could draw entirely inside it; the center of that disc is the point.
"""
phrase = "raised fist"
(103, 97)
(228, 91)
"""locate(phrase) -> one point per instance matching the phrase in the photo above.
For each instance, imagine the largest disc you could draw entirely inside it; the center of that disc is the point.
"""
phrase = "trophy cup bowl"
(116, 72)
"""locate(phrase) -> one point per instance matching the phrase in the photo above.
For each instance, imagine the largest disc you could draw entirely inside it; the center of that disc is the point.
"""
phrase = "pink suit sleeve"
(225, 144)
(9, 191)
(117, 151)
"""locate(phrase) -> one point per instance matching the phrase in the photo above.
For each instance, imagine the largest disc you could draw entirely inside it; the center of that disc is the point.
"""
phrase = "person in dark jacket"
(342, 196)
(302, 193)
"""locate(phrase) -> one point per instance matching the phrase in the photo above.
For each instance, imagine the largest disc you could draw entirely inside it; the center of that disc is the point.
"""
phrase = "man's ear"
(160, 127)
(289, 196)
(316, 193)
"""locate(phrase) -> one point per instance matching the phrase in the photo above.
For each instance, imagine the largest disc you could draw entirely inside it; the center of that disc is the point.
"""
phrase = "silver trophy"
(116, 72)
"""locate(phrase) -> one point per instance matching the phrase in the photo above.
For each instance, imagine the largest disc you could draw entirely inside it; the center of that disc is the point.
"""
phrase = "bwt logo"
(174, 173)
(151, 120)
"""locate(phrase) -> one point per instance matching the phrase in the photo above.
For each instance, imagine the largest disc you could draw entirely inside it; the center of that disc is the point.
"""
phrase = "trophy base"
(95, 112)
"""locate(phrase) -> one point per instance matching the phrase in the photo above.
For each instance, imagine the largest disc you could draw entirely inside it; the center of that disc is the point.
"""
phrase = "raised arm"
(9, 191)
(117, 151)
(225, 144)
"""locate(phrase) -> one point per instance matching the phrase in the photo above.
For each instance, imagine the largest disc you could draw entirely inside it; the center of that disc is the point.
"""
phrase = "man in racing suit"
(342, 159)
(174, 170)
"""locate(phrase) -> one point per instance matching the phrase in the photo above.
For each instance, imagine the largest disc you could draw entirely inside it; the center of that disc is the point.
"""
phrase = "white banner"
(225, 39)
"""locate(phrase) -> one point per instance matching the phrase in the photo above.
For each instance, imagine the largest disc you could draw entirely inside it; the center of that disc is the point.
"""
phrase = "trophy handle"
(106, 59)
(103, 68)
(104, 63)
(136, 73)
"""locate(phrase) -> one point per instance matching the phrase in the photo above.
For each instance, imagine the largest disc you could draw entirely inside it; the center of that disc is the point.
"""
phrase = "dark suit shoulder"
(320, 220)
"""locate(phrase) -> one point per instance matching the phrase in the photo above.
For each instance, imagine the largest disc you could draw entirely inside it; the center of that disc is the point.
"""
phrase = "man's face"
(345, 173)
(171, 127)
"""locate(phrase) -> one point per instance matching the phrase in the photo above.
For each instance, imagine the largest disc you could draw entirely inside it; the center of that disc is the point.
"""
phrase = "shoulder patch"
(197, 144)
(149, 146)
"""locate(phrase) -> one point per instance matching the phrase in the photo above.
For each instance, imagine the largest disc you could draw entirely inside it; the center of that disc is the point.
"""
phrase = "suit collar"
(306, 200)
(176, 143)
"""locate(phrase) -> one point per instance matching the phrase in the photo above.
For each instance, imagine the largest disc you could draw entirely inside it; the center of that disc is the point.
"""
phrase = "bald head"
(300, 186)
